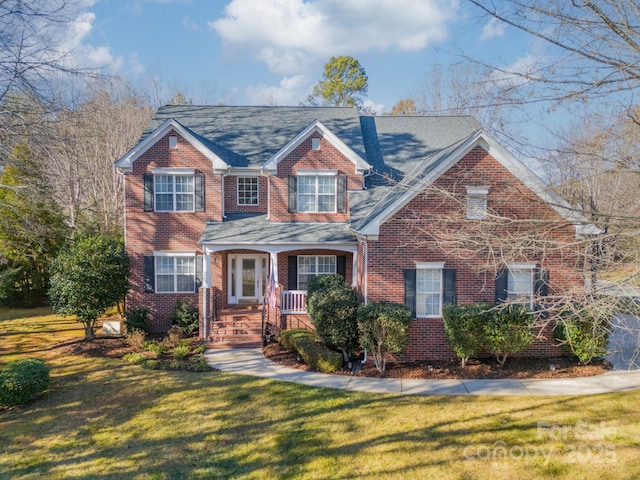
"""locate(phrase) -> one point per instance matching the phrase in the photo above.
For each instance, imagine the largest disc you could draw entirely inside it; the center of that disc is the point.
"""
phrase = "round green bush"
(22, 381)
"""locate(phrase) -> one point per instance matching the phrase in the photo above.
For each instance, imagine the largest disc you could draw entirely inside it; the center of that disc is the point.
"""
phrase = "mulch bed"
(517, 368)
(487, 368)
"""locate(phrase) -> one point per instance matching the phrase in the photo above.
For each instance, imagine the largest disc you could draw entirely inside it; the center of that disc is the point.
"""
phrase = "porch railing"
(293, 301)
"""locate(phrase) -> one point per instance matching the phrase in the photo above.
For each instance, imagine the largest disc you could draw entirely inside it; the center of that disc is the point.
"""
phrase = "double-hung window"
(174, 193)
(520, 283)
(247, 190)
(175, 274)
(310, 266)
(429, 290)
(317, 193)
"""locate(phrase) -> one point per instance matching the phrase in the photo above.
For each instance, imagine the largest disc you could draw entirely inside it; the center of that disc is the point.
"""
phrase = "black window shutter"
(292, 272)
(342, 194)
(449, 291)
(541, 287)
(293, 194)
(501, 286)
(149, 274)
(199, 272)
(199, 191)
(148, 192)
(341, 265)
(410, 290)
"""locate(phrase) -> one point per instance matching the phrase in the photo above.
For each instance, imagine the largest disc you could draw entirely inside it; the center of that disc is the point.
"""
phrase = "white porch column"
(354, 270)
(273, 259)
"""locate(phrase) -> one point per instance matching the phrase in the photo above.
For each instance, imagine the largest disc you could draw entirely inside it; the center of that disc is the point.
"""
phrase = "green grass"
(108, 419)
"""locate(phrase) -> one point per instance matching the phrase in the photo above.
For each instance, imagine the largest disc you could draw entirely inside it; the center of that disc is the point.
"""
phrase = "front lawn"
(104, 418)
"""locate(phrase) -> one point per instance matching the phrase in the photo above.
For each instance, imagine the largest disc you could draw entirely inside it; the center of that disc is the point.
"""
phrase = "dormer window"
(477, 203)
(173, 142)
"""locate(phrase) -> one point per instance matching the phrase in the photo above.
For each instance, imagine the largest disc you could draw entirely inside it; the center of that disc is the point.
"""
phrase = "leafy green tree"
(384, 329)
(583, 331)
(88, 277)
(344, 84)
(32, 229)
(463, 326)
(332, 306)
(507, 331)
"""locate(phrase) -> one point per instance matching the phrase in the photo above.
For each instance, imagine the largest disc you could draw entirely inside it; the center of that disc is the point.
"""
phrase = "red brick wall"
(304, 158)
(178, 231)
(231, 196)
(433, 228)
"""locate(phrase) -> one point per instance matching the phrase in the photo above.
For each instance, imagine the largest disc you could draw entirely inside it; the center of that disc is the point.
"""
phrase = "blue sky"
(252, 52)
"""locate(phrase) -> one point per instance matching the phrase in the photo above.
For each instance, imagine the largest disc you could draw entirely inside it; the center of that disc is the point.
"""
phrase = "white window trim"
(170, 172)
(238, 191)
(431, 266)
(317, 173)
(173, 171)
(316, 274)
(335, 191)
(170, 254)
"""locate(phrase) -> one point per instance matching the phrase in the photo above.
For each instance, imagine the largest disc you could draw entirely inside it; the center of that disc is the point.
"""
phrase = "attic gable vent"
(477, 202)
(173, 141)
(315, 144)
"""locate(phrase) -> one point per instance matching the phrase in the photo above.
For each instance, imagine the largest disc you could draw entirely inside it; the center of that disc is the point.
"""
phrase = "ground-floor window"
(310, 266)
(175, 274)
(429, 292)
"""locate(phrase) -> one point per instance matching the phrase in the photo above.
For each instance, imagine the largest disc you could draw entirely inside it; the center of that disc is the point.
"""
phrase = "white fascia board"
(317, 126)
(126, 163)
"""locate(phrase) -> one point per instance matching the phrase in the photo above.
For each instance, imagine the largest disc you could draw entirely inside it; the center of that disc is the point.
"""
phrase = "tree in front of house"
(344, 84)
(333, 306)
(384, 329)
(87, 278)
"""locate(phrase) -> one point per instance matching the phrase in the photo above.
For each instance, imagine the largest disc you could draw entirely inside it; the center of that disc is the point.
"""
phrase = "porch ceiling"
(248, 230)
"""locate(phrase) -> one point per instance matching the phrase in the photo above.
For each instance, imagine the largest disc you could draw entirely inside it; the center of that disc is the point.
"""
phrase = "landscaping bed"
(517, 368)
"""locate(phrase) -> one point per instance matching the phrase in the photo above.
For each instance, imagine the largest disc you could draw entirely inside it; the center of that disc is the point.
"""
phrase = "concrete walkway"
(252, 362)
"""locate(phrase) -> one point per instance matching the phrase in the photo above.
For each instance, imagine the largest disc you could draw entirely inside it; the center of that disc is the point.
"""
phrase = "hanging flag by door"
(271, 291)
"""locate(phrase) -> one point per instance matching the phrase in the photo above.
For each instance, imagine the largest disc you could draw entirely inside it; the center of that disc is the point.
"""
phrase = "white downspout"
(206, 283)
(268, 197)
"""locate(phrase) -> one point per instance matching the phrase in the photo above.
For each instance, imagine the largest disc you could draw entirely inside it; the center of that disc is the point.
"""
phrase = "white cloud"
(378, 108)
(517, 73)
(290, 35)
(288, 92)
(492, 29)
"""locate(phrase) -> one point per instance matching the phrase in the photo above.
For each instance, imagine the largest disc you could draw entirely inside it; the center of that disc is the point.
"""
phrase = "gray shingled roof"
(249, 136)
(256, 229)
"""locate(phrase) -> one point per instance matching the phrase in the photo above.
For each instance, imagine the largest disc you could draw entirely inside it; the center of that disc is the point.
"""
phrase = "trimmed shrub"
(185, 315)
(586, 335)
(332, 306)
(463, 325)
(384, 328)
(313, 353)
(22, 381)
(156, 348)
(137, 319)
(508, 331)
(289, 337)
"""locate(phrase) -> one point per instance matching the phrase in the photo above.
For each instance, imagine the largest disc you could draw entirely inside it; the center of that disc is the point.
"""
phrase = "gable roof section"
(317, 126)
(440, 161)
(126, 162)
(247, 137)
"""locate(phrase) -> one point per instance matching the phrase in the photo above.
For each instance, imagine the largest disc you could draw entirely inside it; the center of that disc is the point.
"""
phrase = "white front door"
(247, 278)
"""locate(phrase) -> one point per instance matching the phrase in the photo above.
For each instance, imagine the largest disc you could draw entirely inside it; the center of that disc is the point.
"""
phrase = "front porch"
(245, 325)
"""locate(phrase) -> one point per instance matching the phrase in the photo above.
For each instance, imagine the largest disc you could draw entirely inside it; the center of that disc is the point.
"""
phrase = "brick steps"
(239, 327)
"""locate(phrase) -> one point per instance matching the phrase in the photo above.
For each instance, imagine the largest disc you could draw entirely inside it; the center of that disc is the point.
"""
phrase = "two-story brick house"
(222, 203)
